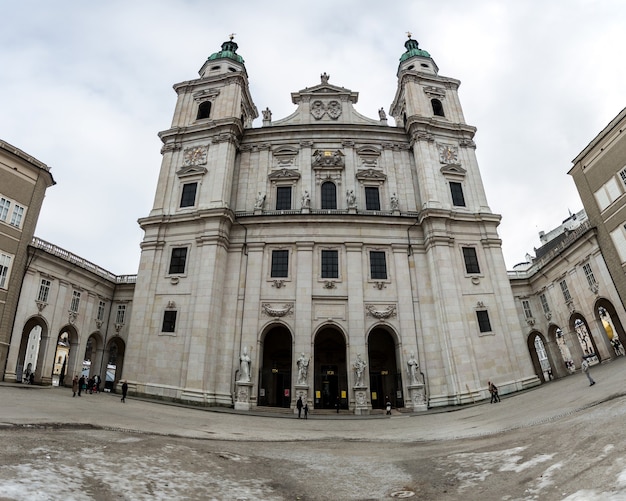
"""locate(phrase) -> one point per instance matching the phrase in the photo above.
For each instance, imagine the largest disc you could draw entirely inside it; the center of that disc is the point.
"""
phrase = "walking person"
(585, 367)
(493, 389)
(388, 406)
(124, 391)
(299, 406)
(306, 411)
(74, 386)
(81, 384)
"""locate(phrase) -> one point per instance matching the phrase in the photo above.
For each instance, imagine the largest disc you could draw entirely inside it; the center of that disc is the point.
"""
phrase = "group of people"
(88, 385)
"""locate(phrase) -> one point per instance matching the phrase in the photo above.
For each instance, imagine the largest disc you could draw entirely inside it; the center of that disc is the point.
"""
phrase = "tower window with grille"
(484, 325)
(283, 198)
(527, 311)
(178, 260)
(456, 189)
(204, 110)
(188, 198)
(378, 265)
(44, 291)
(564, 289)
(329, 195)
(591, 279)
(169, 321)
(75, 301)
(280, 264)
(471, 260)
(544, 303)
(330, 264)
(372, 198)
(437, 108)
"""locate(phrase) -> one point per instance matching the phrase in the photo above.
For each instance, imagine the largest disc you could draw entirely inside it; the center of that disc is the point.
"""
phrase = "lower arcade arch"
(330, 370)
(28, 358)
(385, 379)
(114, 355)
(610, 324)
(275, 369)
(65, 356)
(543, 362)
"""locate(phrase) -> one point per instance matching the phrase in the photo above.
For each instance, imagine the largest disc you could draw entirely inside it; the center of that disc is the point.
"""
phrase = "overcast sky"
(86, 86)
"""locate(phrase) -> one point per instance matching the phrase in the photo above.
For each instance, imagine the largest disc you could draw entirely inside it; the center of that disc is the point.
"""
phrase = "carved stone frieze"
(320, 108)
(325, 159)
(284, 175)
(389, 311)
(433, 92)
(370, 175)
(271, 311)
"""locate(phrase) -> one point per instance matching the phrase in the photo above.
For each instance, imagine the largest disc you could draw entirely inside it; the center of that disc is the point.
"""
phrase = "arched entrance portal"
(275, 371)
(540, 357)
(331, 378)
(28, 356)
(385, 380)
(115, 363)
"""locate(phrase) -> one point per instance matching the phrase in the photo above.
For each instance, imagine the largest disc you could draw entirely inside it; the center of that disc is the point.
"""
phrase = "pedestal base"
(361, 408)
(302, 390)
(244, 390)
(417, 396)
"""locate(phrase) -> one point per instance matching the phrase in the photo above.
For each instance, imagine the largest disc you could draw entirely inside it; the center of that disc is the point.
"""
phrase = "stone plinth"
(417, 395)
(244, 390)
(360, 401)
(302, 390)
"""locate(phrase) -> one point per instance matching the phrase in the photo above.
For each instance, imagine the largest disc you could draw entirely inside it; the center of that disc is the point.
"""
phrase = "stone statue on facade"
(324, 77)
(382, 115)
(303, 369)
(351, 199)
(359, 369)
(394, 202)
(260, 201)
(244, 369)
(306, 200)
(413, 366)
(267, 114)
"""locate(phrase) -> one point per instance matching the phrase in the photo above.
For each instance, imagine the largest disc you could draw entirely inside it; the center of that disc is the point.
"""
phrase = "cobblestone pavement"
(562, 440)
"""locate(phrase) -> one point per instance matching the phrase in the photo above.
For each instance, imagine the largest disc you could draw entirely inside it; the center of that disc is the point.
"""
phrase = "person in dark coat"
(124, 391)
(74, 386)
(81, 384)
(493, 389)
(299, 405)
(306, 411)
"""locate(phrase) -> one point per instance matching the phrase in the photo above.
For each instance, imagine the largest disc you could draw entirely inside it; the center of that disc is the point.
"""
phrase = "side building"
(23, 184)
(326, 254)
(599, 173)
(568, 305)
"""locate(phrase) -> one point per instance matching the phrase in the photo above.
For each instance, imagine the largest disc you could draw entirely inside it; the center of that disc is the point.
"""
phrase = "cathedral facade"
(326, 254)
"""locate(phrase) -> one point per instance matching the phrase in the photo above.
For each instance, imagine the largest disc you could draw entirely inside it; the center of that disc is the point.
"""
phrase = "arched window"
(329, 195)
(437, 108)
(204, 110)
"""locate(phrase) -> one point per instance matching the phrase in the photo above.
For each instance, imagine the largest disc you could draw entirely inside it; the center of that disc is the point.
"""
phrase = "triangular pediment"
(284, 175)
(191, 170)
(370, 175)
(453, 170)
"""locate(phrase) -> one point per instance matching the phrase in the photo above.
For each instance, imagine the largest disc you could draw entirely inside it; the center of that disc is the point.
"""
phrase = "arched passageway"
(115, 362)
(275, 370)
(385, 379)
(330, 370)
(537, 347)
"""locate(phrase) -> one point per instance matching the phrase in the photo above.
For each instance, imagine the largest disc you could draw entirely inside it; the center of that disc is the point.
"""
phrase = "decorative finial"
(232, 35)
(409, 34)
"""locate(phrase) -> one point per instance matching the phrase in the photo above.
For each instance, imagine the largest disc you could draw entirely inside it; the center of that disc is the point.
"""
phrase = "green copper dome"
(229, 51)
(412, 49)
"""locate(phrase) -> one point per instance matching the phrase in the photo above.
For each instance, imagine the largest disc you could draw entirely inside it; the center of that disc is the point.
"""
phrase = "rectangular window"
(16, 217)
(4, 208)
(283, 198)
(5, 266)
(484, 325)
(101, 307)
(330, 264)
(169, 321)
(378, 265)
(618, 236)
(456, 190)
(75, 302)
(608, 193)
(121, 314)
(471, 260)
(178, 260)
(527, 311)
(44, 290)
(372, 198)
(544, 303)
(188, 198)
(565, 291)
(280, 264)
(622, 176)
(591, 279)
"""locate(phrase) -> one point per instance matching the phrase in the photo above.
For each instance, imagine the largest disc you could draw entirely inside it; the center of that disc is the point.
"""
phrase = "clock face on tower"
(448, 154)
(195, 155)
